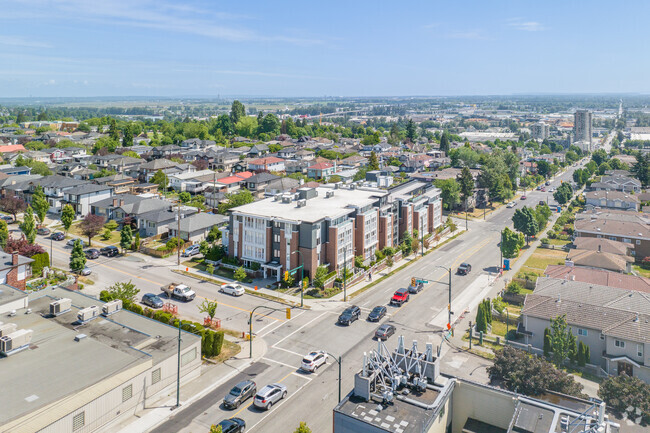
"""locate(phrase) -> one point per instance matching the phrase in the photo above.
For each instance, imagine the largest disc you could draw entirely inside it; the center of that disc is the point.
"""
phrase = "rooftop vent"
(79, 337)
(60, 306)
(329, 194)
(286, 199)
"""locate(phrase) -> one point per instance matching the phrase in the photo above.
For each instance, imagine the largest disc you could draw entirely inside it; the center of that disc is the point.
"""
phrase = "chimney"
(121, 202)
(115, 202)
(14, 258)
(599, 248)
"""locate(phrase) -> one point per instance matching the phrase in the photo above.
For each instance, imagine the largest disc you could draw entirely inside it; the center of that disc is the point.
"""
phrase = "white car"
(232, 289)
(511, 204)
(551, 189)
(313, 360)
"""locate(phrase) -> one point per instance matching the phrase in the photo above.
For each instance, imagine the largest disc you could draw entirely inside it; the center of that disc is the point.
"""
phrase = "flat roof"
(341, 203)
(56, 366)
(10, 294)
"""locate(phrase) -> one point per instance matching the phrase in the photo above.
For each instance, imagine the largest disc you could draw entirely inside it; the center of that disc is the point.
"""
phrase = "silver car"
(269, 395)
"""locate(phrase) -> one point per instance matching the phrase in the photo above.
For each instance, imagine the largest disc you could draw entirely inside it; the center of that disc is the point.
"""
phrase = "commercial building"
(540, 131)
(70, 375)
(403, 392)
(582, 126)
(329, 225)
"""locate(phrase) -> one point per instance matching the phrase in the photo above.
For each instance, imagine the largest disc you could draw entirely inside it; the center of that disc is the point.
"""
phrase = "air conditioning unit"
(111, 307)
(329, 194)
(15, 341)
(60, 306)
(88, 314)
(302, 203)
(7, 328)
(286, 199)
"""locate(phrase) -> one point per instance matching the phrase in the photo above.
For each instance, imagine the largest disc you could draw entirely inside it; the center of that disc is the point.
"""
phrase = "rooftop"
(600, 277)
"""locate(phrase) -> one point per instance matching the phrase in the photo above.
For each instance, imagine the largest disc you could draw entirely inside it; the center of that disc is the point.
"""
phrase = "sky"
(81, 48)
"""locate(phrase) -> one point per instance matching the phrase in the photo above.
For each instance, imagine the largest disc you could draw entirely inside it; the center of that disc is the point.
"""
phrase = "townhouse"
(629, 231)
(612, 199)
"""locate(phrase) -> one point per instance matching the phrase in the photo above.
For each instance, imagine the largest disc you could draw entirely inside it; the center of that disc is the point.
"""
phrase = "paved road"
(311, 396)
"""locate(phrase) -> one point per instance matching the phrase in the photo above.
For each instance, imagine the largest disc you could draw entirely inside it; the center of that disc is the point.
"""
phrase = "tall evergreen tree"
(560, 340)
(67, 216)
(373, 162)
(77, 257)
(4, 234)
(237, 112)
(28, 226)
(547, 343)
(411, 131)
(112, 131)
(126, 237)
(40, 204)
(444, 142)
(524, 221)
(641, 169)
(466, 182)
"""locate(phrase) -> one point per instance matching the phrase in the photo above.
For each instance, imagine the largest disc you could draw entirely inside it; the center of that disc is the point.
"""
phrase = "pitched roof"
(87, 189)
(321, 166)
(599, 276)
(612, 195)
(602, 244)
(57, 181)
(609, 261)
(263, 177)
(12, 148)
(633, 230)
(199, 221)
(164, 215)
(266, 161)
(158, 164)
(282, 184)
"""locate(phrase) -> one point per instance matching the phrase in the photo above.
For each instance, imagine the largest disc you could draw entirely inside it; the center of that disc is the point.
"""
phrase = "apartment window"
(639, 350)
(155, 376)
(188, 357)
(638, 242)
(619, 343)
(582, 332)
(613, 238)
(602, 336)
(127, 393)
(627, 240)
(276, 238)
(78, 421)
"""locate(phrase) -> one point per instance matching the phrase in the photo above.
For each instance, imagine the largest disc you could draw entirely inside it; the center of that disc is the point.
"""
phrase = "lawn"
(558, 242)
(228, 350)
(641, 271)
(75, 230)
(541, 258)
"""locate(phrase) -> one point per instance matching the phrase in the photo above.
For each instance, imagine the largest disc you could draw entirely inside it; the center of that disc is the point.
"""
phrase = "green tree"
(542, 215)
(511, 243)
(127, 136)
(525, 222)
(184, 197)
(237, 112)
(411, 131)
(548, 345)
(204, 248)
(560, 340)
(40, 204)
(573, 348)
(208, 307)
(581, 354)
(235, 199)
(28, 226)
(319, 277)
(481, 319)
(543, 168)
(270, 124)
(77, 257)
(449, 192)
(126, 291)
(160, 179)
(240, 274)
(563, 193)
(444, 142)
(246, 127)
(373, 162)
(466, 183)
(112, 131)
(641, 169)
(67, 216)
(214, 234)
(623, 391)
(602, 168)
(302, 428)
(4, 234)
(451, 224)
(126, 237)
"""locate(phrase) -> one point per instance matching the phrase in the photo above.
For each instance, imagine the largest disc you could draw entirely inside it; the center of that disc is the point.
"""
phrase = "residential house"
(83, 196)
(107, 207)
(355, 161)
(195, 228)
(9, 148)
(17, 185)
(412, 166)
(617, 183)
(321, 170)
(15, 270)
(127, 208)
(148, 169)
(613, 322)
(600, 260)
(612, 199)
(598, 276)
(15, 171)
(300, 166)
(156, 222)
(270, 163)
(121, 183)
(603, 245)
(280, 185)
(167, 150)
(306, 155)
(287, 152)
(54, 188)
(197, 143)
(189, 182)
(258, 150)
(258, 182)
(224, 160)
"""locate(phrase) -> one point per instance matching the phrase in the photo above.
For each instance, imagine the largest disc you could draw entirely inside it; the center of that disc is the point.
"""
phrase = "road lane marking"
(278, 362)
(308, 323)
(288, 351)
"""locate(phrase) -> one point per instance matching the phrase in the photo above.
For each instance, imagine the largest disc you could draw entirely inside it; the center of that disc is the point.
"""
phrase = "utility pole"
(302, 277)
(345, 273)
(51, 251)
(449, 307)
(178, 234)
(178, 371)
(501, 251)
(422, 236)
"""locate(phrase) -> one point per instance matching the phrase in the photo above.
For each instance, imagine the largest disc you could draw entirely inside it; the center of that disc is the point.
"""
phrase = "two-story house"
(321, 170)
(83, 196)
(270, 163)
(54, 188)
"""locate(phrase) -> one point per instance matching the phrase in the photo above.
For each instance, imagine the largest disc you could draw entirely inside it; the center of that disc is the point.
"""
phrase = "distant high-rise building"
(582, 126)
(540, 131)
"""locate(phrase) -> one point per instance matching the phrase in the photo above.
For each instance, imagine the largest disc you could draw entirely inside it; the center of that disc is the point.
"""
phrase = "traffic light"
(286, 275)
(305, 284)
(412, 282)
(288, 313)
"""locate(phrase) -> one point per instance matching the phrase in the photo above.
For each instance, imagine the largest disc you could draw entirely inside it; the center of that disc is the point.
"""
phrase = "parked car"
(400, 296)
(538, 188)
(86, 271)
(511, 204)
(269, 395)
(349, 315)
(192, 250)
(152, 300)
(232, 289)
(43, 231)
(543, 189)
(464, 269)
(92, 253)
(377, 313)
(239, 394)
(523, 197)
(551, 189)
(109, 251)
(57, 236)
(384, 331)
(8, 219)
(232, 425)
(70, 243)
(542, 203)
(313, 360)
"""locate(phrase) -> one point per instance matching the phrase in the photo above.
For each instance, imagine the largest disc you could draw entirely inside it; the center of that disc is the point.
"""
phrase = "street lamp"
(339, 362)
(302, 270)
(250, 323)
(449, 284)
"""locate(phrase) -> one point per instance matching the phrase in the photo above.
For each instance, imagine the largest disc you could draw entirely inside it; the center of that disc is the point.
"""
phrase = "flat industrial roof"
(10, 294)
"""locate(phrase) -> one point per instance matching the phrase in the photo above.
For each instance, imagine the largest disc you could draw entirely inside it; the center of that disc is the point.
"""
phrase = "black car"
(92, 253)
(349, 315)
(57, 236)
(43, 231)
(152, 300)
(377, 313)
(464, 269)
(109, 251)
(384, 331)
(232, 425)
(239, 394)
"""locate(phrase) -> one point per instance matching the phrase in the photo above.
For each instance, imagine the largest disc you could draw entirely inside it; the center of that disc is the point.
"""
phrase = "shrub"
(621, 392)
(240, 274)
(255, 266)
(545, 241)
(110, 225)
(206, 344)
(217, 343)
(209, 268)
(514, 288)
(106, 235)
(41, 260)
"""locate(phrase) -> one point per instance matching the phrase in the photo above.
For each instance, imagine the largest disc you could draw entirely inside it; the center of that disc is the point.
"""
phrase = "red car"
(400, 296)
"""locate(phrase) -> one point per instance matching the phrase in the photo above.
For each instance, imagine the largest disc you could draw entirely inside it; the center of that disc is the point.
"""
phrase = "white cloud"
(21, 42)
(528, 26)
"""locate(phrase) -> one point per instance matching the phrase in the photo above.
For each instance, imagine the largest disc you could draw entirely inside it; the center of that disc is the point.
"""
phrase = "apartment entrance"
(624, 367)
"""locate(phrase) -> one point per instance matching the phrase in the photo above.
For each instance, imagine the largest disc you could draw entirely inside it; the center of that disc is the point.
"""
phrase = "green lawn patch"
(641, 271)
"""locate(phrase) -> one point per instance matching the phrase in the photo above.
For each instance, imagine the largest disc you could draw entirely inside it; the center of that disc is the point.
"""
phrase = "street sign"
(422, 281)
(293, 272)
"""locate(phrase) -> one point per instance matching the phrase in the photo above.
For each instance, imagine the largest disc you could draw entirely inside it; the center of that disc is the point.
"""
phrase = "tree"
(237, 112)
(543, 168)
(270, 124)
(112, 131)
(4, 234)
(641, 169)
(23, 247)
(204, 248)
(125, 291)
(563, 193)
(302, 428)
(548, 346)
(622, 392)
(573, 348)
(91, 225)
(173, 243)
(451, 224)
(466, 183)
(161, 180)
(373, 162)
(246, 127)
(40, 204)
(77, 257)
(240, 274)
(320, 275)
(449, 192)
(599, 156)
(542, 215)
(511, 243)
(136, 242)
(411, 131)
(235, 199)
(67, 216)
(604, 167)
(126, 237)
(581, 176)
(28, 226)
(481, 319)
(581, 354)
(444, 142)
(184, 197)
(560, 340)
(525, 222)
(214, 234)
(13, 205)
(208, 307)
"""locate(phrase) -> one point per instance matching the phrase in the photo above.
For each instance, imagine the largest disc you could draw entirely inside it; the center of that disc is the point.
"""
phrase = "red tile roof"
(265, 161)
(321, 166)
(244, 174)
(600, 277)
(12, 148)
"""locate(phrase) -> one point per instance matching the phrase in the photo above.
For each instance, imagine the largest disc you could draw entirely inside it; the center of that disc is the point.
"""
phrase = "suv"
(232, 425)
(464, 269)
(192, 250)
(152, 300)
(313, 360)
(377, 313)
(92, 253)
(109, 251)
(269, 395)
(400, 296)
(57, 236)
(349, 315)
(239, 394)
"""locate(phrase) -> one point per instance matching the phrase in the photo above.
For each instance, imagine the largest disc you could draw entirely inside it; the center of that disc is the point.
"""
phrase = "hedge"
(41, 260)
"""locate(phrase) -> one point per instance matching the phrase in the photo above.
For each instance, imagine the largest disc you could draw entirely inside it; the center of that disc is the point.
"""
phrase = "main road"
(312, 396)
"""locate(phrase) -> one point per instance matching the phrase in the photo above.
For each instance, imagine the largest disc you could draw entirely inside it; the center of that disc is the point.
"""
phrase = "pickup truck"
(179, 291)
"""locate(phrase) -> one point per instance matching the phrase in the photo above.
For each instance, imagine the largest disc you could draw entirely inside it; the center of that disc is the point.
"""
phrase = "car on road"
(86, 271)
(400, 296)
(541, 203)
(542, 189)
(511, 204)
(464, 269)
(538, 188)
(70, 243)
(551, 189)
(110, 251)
(349, 315)
(232, 425)
(92, 253)
(240, 393)
(179, 291)
(192, 250)
(417, 288)
(57, 236)
(384, 331)
(377, 313)
(523, 197)
(152, 300)
(43, 231)
(313, 360)
(547, 183)
(8, 219)
(269, 395)
(232, 289)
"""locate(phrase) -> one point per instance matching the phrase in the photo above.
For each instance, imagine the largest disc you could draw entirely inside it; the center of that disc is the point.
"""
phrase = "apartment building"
(540, 130)
(328, 225)
(582, 126)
